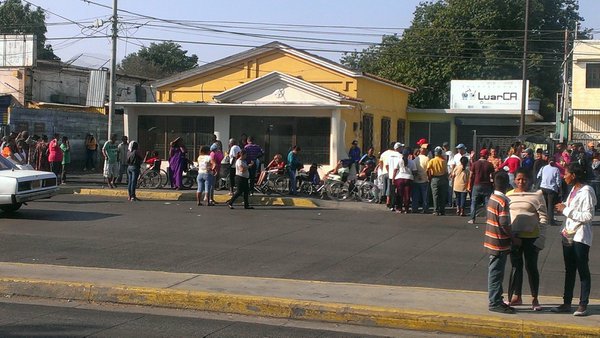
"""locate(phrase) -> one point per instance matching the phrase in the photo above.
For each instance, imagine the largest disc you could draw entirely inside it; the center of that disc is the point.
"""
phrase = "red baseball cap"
(422, 141)
(483, 152)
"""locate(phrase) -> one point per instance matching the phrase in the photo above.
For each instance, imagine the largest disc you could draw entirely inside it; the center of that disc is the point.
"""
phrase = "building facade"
(282, 96)
(585, 92)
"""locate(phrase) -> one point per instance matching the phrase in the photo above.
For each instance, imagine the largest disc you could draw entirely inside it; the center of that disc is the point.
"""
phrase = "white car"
(18, 186)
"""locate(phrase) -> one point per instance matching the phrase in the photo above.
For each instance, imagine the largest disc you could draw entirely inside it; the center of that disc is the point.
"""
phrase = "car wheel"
(11, 207)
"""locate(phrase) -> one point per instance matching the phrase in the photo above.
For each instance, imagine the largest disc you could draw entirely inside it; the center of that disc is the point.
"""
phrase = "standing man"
(253, 154)
(234, 150)
(382, 174)
(55, 157)
(437, 172)
(392, 161)
(480, 182)
(111, 163)
(122, 151)
(293, 165)
(91, 146)
(550, 183)
(354, 154)
(497, 242)
(65, 146)
(420, 191)
(461, 151)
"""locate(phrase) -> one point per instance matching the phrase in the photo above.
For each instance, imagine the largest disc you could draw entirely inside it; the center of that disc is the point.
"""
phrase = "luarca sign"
(486, 94)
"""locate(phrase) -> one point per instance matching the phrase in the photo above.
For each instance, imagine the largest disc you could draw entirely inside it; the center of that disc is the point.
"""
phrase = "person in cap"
(392, 162)
(538, 163)
(480, 182)
(354, 154)
(420, 191)
(528, 161)
(461, 151)
(437, 172)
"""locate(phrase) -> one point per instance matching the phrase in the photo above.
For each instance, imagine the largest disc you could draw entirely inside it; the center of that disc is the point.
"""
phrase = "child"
(497, 242)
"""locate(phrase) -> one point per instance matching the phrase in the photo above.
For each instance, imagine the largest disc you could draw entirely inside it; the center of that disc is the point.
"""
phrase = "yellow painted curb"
(295, 309)
(190, 195)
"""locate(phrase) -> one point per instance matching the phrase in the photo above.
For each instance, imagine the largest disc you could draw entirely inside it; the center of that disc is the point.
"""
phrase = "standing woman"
(404, 176)
(55, 156)
(177, 163)
(529, 218)
(461, 176)
(577, 237)
(65, 146)
(241, 180)
(206, 171)
(134, 161)
(513, 162)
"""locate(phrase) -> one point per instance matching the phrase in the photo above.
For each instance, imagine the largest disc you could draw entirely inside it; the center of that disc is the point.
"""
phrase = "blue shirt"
(550, 176)
(354, 154)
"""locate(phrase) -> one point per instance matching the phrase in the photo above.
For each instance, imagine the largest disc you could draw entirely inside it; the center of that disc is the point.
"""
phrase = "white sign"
(17, 50)
(486, 94)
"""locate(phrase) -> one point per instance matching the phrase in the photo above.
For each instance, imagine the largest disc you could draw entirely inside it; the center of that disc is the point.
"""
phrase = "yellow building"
(585, 95)
(280, 95)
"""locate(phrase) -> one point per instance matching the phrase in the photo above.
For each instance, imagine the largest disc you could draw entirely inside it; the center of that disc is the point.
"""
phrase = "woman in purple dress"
(177, 163)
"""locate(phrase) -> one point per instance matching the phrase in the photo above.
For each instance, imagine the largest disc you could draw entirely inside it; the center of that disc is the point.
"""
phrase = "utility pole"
(524, 96)
(564, 117)
(113, 70)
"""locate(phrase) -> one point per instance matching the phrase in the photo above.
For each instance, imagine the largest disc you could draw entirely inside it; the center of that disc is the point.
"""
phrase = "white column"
(130, 123)
(222, 127)
(338, 128)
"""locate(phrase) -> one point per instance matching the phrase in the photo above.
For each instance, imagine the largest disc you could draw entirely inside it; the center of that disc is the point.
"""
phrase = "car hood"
(29, 174)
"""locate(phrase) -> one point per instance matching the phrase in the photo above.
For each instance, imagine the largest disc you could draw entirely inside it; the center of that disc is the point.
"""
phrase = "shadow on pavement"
(57, 215)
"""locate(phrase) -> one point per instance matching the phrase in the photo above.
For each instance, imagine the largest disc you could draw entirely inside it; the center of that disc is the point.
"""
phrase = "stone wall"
(74, 125)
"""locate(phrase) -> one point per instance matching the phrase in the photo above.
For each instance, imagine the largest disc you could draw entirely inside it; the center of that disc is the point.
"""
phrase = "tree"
(158, 60)
(16, 18)
(465, 39)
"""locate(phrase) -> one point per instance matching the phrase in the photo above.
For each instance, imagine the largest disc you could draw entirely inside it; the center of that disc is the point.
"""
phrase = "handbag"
(568, 236)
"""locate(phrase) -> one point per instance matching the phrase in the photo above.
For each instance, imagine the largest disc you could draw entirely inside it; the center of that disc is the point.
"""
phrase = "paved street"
(22, 317)
(361, 246)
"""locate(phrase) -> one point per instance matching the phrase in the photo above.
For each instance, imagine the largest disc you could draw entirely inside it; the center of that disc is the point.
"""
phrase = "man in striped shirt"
(497, 242)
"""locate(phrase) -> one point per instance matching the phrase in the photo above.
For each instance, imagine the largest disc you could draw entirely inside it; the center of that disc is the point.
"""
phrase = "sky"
(216, 29)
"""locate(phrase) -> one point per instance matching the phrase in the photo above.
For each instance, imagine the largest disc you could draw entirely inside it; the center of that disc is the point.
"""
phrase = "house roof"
(276, 45)
(238, 92)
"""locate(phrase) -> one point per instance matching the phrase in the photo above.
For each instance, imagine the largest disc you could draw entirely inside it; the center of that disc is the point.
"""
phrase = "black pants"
(528, 251)
(252, 171)
(231, 179)
(576, 259)
(56, 168)
(551, 198)
(242, 188)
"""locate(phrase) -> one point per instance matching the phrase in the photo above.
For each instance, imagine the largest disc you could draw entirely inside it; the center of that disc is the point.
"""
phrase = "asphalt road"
(351, 245)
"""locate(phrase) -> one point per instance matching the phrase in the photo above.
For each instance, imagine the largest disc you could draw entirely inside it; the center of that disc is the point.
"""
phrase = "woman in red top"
(55, 156)
(513, 162)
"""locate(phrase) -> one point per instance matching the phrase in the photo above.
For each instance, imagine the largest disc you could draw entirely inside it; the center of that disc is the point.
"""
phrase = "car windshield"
(5, 164)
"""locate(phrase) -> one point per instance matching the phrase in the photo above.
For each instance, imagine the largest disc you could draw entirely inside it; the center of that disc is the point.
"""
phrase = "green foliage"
(466, 39)
(16, 18)
(158, 61)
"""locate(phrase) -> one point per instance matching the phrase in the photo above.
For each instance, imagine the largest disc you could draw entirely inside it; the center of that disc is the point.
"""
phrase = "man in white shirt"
(382, 173)
(392, 161)
(234, 150)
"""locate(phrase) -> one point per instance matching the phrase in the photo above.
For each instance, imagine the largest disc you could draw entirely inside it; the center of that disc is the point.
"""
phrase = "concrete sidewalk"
(452, 311)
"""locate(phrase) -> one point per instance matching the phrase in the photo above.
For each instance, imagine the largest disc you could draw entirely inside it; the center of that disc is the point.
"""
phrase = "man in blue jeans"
(293, 165)
(480, 182)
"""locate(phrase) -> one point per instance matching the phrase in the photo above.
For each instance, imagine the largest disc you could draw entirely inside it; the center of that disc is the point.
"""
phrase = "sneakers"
(471, 221)
(564, 308)
(502, 308)
(581, 311)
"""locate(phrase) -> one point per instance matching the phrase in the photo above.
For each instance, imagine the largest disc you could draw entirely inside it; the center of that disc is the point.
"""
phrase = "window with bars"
(592, 75)
(400, 130)
(385, 133)
(367, 131)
